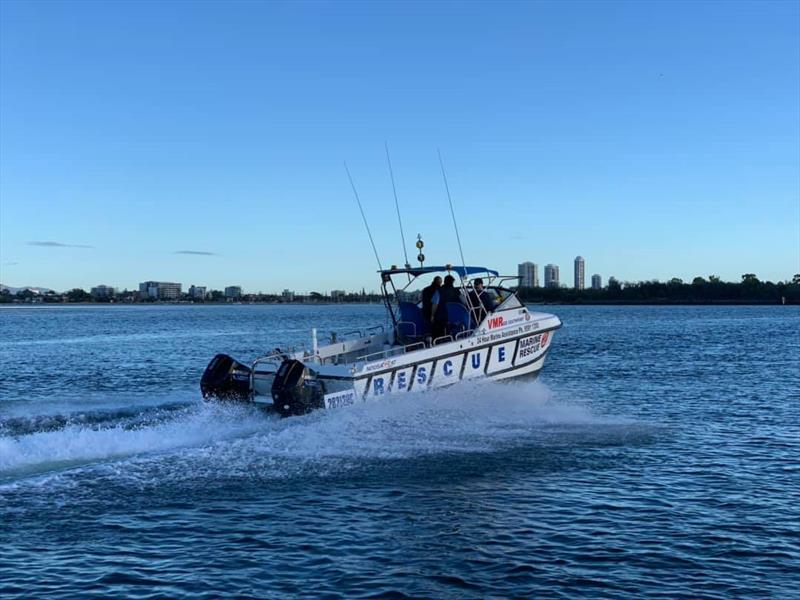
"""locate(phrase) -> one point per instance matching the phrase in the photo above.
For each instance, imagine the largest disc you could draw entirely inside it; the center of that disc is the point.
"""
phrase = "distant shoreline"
(578, 303)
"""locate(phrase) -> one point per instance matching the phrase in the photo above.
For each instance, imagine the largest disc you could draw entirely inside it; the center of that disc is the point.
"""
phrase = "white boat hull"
(514, 347)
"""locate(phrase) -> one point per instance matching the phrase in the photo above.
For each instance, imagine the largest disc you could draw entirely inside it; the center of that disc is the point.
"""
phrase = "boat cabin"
(402, 295)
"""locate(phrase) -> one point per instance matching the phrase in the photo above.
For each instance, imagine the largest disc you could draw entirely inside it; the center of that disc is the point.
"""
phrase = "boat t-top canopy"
(417, 271)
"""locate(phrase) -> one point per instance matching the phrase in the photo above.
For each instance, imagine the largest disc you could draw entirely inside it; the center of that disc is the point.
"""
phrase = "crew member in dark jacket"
(480, 301)
(427, 299)
(447, 293)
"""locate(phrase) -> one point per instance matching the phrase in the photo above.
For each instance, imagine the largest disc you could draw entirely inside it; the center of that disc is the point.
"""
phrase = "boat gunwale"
(355, 376)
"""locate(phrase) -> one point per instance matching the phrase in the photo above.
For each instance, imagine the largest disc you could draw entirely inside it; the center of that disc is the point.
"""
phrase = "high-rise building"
(580, 278)
(233, 292)
(160, 290)
(597, 282)
(528, 274)
(103, 292)
(197, 292)
(551, 276)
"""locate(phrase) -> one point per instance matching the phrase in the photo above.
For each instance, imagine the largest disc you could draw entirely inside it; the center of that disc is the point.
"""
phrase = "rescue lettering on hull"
(500, 357)
(402, 380)
(506, 350)
(448, 370)
(422, 376)
(528, 347)
(476, 363)
(379, 385)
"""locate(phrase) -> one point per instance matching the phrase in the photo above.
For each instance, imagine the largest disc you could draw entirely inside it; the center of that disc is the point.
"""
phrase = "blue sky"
(654, 139)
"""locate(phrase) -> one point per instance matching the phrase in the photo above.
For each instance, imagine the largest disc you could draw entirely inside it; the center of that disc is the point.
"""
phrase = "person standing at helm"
(427, 298)
(447, 293)
(480, 300)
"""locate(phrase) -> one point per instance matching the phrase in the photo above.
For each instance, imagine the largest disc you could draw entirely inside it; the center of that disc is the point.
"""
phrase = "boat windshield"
(403, 290)
(509, 300)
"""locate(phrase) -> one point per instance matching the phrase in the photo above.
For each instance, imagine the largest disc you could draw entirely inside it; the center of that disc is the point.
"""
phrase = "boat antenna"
(452, 212)
(397, 206)
(363, 216)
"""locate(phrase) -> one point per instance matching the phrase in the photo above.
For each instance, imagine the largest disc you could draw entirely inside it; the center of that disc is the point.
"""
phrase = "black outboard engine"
(295, 389)
(225, 379)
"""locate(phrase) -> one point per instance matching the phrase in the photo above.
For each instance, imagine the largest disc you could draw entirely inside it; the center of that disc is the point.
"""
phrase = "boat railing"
(356, 333)
(420, 345)
(395, 351)
(414, 325)
(406, 326)
(415, 346)
(275, 356)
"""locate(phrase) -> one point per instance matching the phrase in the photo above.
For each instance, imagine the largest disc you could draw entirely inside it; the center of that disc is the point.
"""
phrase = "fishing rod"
(452, 213)
(363, 216)
(397, 206)
(384, 278)
(473, 309)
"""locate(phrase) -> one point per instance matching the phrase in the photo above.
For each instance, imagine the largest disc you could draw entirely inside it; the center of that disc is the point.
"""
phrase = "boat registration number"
(335, 400)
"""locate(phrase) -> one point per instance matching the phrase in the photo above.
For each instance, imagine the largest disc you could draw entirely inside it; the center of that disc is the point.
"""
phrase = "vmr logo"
(495, 322)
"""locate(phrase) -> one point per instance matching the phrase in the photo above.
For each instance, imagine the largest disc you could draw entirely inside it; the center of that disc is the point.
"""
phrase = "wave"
(243, 439)
(116, 338)
(120, 435)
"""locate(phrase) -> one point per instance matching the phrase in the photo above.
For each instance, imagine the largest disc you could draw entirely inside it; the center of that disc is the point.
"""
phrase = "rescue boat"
(403, 357)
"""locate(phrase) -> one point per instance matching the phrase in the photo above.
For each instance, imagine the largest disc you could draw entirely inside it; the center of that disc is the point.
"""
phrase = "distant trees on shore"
(34, 296)
(675, 291)
(711, 290)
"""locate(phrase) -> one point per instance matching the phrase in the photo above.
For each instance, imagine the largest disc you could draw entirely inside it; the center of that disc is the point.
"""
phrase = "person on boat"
(427, 298)
(480, 301)
(447, 293)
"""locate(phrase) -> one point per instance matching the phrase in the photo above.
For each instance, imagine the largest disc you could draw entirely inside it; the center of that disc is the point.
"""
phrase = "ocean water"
(658, 455)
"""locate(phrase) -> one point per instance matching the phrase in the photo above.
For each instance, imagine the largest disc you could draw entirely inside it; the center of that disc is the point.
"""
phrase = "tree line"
(711, 290)
(27, 295)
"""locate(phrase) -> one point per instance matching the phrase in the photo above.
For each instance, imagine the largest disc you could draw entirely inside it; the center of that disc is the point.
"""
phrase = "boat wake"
(196, 439)
(59, 442)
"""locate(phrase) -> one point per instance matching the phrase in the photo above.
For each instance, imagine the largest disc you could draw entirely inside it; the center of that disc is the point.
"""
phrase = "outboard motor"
(296, 390)
(225, 379)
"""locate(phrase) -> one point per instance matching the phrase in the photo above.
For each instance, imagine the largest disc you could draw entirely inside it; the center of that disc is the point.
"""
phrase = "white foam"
(460, 419)
(74, 445)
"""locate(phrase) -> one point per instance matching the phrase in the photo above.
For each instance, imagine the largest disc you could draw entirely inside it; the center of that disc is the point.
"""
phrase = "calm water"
(657, 456)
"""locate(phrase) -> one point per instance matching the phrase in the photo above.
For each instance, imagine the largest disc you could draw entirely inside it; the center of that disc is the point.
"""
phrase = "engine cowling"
(296, 390)
(225, 379)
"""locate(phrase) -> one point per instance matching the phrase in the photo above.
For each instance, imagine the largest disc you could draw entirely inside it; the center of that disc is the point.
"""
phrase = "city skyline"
(214, 151)
(749, 290)
(528, 276)
(528, 273)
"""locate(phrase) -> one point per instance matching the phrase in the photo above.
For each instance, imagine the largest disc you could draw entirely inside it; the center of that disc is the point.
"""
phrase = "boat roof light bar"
(462, 271)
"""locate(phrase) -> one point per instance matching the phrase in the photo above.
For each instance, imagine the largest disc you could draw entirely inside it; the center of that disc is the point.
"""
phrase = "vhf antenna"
(452, 212)
(363, 216)
(397, 205)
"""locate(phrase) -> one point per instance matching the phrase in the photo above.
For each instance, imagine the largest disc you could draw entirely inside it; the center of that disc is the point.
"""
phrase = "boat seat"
(412, 326)
(458, 319)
